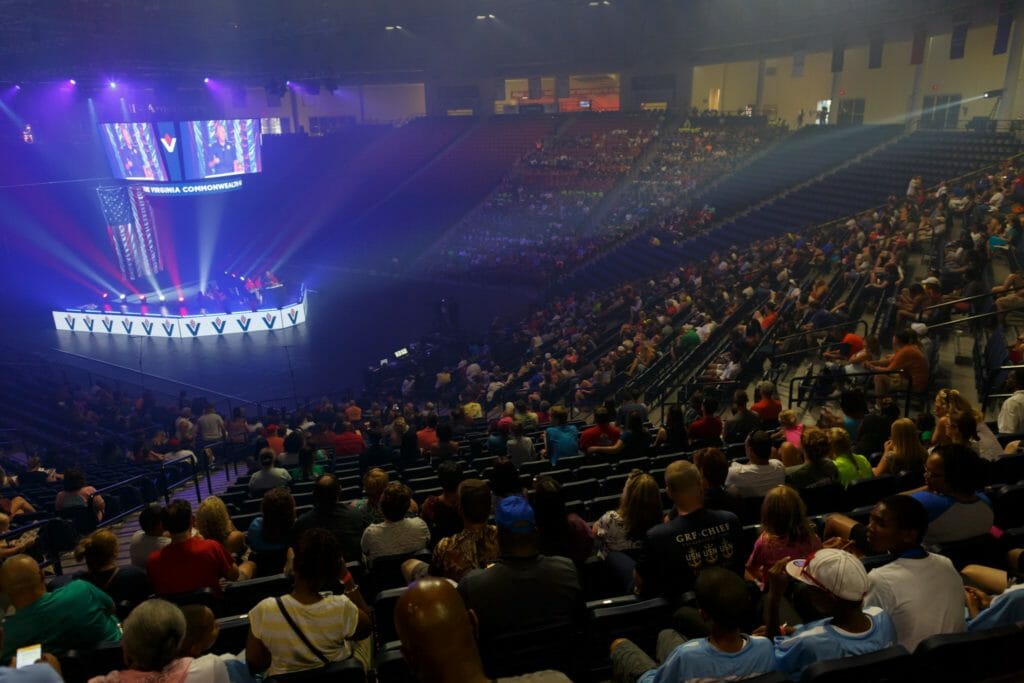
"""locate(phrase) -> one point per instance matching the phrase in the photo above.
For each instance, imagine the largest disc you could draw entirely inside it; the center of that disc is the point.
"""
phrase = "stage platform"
(163, 322)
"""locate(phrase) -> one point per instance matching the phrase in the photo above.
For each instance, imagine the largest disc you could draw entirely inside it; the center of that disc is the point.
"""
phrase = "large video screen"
(223, 147)
(131, 149)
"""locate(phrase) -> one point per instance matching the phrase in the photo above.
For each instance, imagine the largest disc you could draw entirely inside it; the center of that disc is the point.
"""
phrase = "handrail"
(38, 524)
(972, 318)
(806, 349)
(195, 475)
(973, 297)
(863, 373)
(845, 323)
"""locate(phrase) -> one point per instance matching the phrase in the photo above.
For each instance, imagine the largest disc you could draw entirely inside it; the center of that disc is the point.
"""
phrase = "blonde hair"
(640, 505)
(97, 549)
(840, 443)
(784, 515)
(788, 418)
(906, 442)
(213, 520)
(374, 483)
(956, 404)
(5, 522)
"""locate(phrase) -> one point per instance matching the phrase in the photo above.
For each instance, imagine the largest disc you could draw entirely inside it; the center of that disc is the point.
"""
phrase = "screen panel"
(221, 147)
(131, 148)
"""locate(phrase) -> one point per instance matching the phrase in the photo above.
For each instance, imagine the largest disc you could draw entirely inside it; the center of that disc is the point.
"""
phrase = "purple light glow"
(72, 81)
(113, 85)
(206, 80)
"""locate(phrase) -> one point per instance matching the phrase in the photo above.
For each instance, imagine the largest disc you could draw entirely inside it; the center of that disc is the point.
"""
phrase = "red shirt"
(767, 410)
(853, 341)
(276, 444)
(348, 443)
(599, 435)
(706, 428)
(188, 566)
(426, 439)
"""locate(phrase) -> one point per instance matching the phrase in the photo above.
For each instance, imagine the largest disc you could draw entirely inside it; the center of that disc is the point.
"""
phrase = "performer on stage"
(130, 155)
(220, 153)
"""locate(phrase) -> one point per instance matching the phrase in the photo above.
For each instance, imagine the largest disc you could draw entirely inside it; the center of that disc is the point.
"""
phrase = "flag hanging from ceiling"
(132, 230)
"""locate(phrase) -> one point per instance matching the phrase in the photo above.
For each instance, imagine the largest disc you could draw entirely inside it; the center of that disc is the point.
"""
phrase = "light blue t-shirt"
(1007, 608)
(562, 441)
(820, 640)
(698, 660)
(34, 673)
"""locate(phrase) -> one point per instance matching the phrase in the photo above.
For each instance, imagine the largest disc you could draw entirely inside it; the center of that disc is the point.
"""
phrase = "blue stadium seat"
(891, 665)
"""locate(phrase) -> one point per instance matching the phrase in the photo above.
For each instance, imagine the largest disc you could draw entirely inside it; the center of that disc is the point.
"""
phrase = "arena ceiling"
(349, 40)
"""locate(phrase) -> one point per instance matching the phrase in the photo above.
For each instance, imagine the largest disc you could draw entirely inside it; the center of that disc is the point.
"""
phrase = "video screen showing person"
(131, 149)
(222, 147)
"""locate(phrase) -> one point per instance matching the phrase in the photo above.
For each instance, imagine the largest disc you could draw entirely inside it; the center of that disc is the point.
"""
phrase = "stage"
(163, 321)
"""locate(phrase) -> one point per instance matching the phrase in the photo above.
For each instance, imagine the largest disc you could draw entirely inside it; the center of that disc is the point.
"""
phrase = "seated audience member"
(672, 437)
(439, 641)
(994, 597)
(275, 439)
(505, 481)
(956, 511)
(46, 669)
(851, 466)
(426, 438)
(269, 475)
(876, 427)
(920, 591)
(623, 529)
(75, 494)
(1011, 413)
(790, 431)
(397, 534)
(520, 447)
(603, 433)
(201, 633)
(374, 483)
(714, 469)
(960, 422)
(377, 453)
(17, 546)
(707, 429)
(908, 358)
(340, 518)
(768, 407)
(269, 535)
(307, 469)
(760, 473)
(293, 443)
(558, 532)
(152, 644)
(561, 439)
(817, 468)
(307, 629)
(441, 513)
(99, 550)
(475, 546)
(446, 448)
(854, 406)
(633, 442)
(785, 532)
(726, 654)
(903, 451)
(743, 422)
(77, 616)
(214, 524)
(188, 563)
(674, 553)
(150, 537)
(836, 584)
(523, 589)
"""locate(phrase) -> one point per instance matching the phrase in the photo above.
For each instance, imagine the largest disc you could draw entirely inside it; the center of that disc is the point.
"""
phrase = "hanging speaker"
(838, 55)
(1003, 26)
(958, 42)
(875, 53)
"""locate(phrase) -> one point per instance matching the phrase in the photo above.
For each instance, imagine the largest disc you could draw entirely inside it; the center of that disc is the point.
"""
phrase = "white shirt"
(1011, 415)
(755, 480)
(326, 624)
(923, 596)
(142, 546)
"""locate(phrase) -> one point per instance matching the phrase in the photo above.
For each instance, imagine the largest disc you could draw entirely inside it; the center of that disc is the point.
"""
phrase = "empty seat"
(232, 634)
(242, 596)
(554, 646)
(585, 489)
(983, 550)
(597, 471)
(870, 491)
(970, 656)
(81, 665)
(392, 668)
(821, 499)
(346, 671)
(384, 615)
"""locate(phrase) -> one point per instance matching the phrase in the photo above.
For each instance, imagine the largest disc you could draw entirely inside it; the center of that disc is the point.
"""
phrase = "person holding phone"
(32, 665)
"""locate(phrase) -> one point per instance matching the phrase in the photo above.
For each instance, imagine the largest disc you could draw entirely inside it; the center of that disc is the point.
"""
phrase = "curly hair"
(98, 549)
(213, 520)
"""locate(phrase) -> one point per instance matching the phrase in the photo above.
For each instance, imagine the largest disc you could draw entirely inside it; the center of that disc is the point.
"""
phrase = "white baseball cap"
(835, 571)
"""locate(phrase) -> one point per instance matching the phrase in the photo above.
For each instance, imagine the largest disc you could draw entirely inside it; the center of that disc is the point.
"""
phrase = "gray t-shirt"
(405, 536)
(142, 546)
(264, 480)
(538, 677)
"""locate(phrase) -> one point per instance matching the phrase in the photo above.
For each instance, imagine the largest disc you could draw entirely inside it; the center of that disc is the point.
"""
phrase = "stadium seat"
(386, 572)
(951, 658)
(1008, 470)
(983, 549)
(384, 615)
(242, 596)
(821, 499)
(600, 505)
(596, 471)
(869, 491)
(346, 671)
(582, 489)
(639, 621)
(891, 665)
(204, 596)
(232, 635)
(1008, 506)
(81, 665)
(392, 668)
(554, 646)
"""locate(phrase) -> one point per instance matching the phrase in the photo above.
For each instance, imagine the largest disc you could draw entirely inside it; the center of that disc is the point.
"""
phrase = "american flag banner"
(132, 230)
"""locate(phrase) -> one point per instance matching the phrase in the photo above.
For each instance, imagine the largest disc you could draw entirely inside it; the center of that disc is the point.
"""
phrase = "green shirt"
(297, 473)
(688, 340)
(852, 470)
(76, 617)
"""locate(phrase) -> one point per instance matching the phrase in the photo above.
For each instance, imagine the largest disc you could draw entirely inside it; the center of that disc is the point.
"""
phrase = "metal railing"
(908, 391)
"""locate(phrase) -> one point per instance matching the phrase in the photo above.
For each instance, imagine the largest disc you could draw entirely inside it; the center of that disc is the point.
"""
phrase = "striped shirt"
(326, 624)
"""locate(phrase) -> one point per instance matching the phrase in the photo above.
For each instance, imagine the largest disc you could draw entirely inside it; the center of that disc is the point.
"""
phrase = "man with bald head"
(77, 616)
(438, 641)
(674, 553)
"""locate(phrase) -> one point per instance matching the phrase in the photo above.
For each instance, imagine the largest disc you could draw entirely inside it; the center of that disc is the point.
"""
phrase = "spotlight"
(181, 299)
(17, 87)
(142, 298)
(288, 83)
(123, 297)
(72, 81)
(491, 16)
(242, 278)
(206, 80)
(162, 297)
(113, 85)
(103, 295)
(993, 93)
(481, 17)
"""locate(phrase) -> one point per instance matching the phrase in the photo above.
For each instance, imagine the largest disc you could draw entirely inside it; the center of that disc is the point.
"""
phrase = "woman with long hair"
(214, 524)
(785, 532)
(99, 550)
(903, 451)
(269, 534)
(559, 532)
(852, 467)
(624, 528)
(672, 436)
